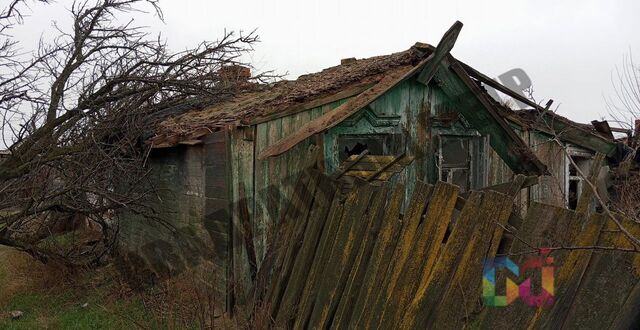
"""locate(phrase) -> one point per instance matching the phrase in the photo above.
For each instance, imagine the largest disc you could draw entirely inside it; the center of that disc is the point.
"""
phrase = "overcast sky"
(568, 48)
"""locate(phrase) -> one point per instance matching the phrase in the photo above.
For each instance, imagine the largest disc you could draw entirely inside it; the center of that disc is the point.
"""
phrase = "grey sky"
(568, 48)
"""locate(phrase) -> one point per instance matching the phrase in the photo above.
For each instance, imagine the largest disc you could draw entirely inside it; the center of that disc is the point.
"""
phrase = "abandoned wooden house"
(226, 171)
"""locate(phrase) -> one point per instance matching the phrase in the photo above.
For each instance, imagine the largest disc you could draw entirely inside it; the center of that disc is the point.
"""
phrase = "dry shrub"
(189, 300)
(261, 319)
(626, 199)
(22, 273)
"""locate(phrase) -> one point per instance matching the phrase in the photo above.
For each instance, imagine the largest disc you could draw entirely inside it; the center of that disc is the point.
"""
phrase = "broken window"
(455, 161)
(462, 161)
(575, 182)
(377, 144)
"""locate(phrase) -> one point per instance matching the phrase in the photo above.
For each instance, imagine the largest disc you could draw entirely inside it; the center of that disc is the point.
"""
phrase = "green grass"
(66, 312)
(52, 299)
(46, 307)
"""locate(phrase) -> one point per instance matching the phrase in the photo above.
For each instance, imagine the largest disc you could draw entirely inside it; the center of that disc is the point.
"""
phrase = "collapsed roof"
(265, 100)
(364, 80)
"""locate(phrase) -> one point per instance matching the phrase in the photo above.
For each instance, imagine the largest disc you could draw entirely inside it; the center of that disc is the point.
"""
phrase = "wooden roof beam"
(490, 82)
(476, 108)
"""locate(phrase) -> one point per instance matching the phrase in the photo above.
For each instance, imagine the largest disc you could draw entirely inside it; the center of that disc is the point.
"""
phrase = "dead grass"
(52, 297)
(189, 300)
(21, 273)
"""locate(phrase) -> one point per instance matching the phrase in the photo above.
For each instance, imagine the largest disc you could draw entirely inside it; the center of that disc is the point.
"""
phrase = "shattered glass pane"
(455, 152)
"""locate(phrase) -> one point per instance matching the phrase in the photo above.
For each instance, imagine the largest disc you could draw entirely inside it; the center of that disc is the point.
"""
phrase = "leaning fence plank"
(321, 257)
(544, 226)
(361, 264)
(547, 226)
(569, 277)
(431, 286)
(460, 298)
(607, 282)
(381, 257)
(342, 256)
(411, 219)
(297, 216)
(424, 251)
(627, 317)
(270, 268)
(322, 202)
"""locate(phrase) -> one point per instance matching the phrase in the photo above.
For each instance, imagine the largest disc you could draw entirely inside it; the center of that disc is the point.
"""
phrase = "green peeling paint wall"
(407, 109)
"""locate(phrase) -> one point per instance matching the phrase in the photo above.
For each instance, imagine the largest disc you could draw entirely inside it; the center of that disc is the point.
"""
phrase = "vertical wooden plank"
(286, 174)
(295, 220)
(551, 189)
(342, 256)
(423, 253)
(241, 154)
(569, 277)
(423, 131)
(361, 265)
(380, 259)
(433, 101)
(411, 222)
(459, 299)
(324, 197)
(432, 285)
(274, 185)
(587, 193)
(323, 253)
(260, 192)
(408, 110)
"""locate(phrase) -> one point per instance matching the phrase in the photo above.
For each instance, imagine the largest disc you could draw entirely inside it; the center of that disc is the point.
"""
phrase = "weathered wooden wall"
(266, 183)
(405, 109)
(551, 188)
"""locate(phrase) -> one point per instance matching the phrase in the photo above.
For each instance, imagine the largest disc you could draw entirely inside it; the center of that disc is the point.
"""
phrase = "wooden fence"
(363, 261)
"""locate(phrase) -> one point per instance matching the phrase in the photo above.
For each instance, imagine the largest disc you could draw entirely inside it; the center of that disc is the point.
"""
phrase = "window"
(377, 144)
(461, 161)
(574, 182)
(455, 161)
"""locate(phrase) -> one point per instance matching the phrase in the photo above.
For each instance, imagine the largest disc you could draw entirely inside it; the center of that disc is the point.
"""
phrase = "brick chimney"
(346, 61)
(234, 74)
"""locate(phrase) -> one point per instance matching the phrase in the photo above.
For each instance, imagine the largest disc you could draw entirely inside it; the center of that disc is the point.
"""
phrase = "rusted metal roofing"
(266, 100)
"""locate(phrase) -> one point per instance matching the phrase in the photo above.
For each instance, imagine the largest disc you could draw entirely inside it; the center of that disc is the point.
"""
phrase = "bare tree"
(624, 106)
(622, 205)
(624, 109)
(84, 103)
